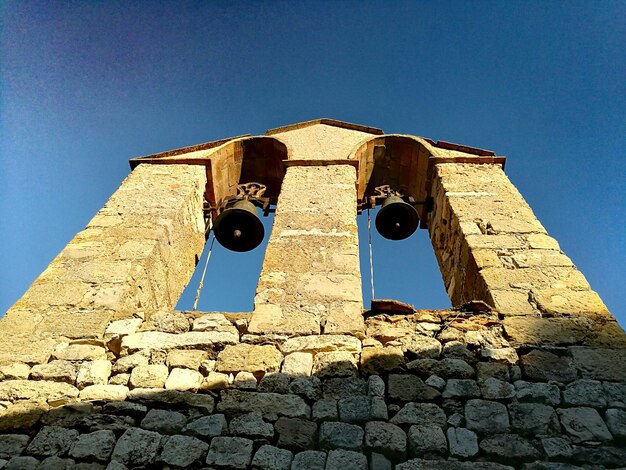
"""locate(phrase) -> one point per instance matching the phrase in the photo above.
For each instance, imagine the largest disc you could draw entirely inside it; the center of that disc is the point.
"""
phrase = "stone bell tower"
(528, 367)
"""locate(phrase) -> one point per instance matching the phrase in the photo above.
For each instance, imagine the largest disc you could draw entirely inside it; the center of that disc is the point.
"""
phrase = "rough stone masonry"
(527, 371)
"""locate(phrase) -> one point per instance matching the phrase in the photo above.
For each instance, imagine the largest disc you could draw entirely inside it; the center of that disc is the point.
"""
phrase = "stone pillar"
(310, 282)
(491, 247)
(136, 254)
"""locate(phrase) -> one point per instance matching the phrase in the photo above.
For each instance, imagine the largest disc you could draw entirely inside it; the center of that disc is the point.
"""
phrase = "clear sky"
(88, 85)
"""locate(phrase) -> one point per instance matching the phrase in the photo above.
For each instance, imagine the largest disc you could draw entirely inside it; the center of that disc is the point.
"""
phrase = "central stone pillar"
(310, 282)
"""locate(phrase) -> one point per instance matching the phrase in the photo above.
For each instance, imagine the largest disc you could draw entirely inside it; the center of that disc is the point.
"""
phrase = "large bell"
(238, 227)
(396, 219)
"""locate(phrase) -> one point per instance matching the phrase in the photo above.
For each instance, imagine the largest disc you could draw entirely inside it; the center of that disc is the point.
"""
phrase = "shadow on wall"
(428, 387)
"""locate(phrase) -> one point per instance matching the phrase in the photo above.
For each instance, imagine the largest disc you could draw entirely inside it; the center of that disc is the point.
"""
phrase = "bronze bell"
(396, 219)
(238, 227)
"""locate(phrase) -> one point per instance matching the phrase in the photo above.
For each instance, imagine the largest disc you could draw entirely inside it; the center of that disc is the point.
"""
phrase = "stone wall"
(436, 389)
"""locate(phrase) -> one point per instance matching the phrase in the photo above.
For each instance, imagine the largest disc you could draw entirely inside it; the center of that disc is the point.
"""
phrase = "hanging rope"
(369, 240)
(210, 225)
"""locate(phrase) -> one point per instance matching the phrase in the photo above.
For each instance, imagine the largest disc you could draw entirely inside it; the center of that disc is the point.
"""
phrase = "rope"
(369, 240)
(195, 303)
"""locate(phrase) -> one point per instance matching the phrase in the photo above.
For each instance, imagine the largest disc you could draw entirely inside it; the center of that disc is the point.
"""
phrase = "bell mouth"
(396, 219)
(238, 228)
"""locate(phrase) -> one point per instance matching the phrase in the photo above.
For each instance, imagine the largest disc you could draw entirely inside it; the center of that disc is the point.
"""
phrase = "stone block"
(421, 347)
(183, 451)
(462, 442)
(251, 425)
(79, 352)
(446, 368)
(164, 421)
(272, 458)
(249, 358)
(616, 422)
(14, 371)
(270, 404)
(386, 438)
(52, 440)
(22, 463)
(420, 413)
(344, 387)
(556, 448)
(137, 447)
(307, 387)
(150, 376)
(104, 392)
(298, 364)
(189, 340)
(97, 445)
(41, 391)
(361, 409)
(600, 363)
(346, 459)
(321, 343)
(55, 371)
(583, 424)
(426, 439)
(12, 445)
(537, 392)
(377, 360)
(584, 393)
(410, 388)
(184, 379)
(543, 366)
(335, 364)
(309, 460)
(325, 410)
(230, 452)
(461, 388)
(186, 358)
(296, 434)
(207, 426)
(494, 389)
(533, 419)
(615, 394)
(375, 386)
(334, 435)
(502, 355)
(509, 448)
(93, 373)
(277, 383)
(485, 416)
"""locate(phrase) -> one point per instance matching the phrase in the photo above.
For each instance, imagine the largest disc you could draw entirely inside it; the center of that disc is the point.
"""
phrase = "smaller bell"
(238, 227)
(396, 219)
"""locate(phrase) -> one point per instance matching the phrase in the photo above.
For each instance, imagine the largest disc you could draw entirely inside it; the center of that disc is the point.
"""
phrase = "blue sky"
(88, 85)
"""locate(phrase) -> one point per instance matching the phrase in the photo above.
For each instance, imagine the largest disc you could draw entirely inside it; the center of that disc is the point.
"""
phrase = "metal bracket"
(383, 192)
(251, 191)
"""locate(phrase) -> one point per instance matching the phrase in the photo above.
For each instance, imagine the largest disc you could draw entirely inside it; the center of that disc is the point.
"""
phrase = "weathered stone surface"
(325, 410)
(52, 440)
(137, 447)
(380, 462)
(164, 421)
(230, 452)
(584, 392)
(183, 451)
(270, 404)
(21, 416)
(420, 413)
(184, 379)
(56, 371)
(123, 327)
(298, 364)
(377, 360)
(249, 358)
(503, 355)
(446, 368)
(421, 347)
(426, 438)
(463, 442)
(485, 370)
(12, 445)
(279, 383)
(97, 445)
(600, 456)
(334, 364)
(186, 358)
(188, 340)
(216, 381)
(148, 395)
(207, 426)
(22, 463)
(307, 387)
(375, 386)
(213, 322)
(57, 463)
(295, 434)
(615, 394)
(346, 460)
(418, 464)
(321, 343)
(125, 408)
(583, 424)
(79, 352)
(486, 416)
(251, 425)
(537, 392)
(600, 364)
(169, 322)
(461, 388)
(410, 388)
(556, 448)
(344, 387)
(93, 373)
(543, 366)
(616, 422)
(127, 363)
(150, 376)
(14, 371)
(244, 380)
(334, 435)
(533, 419)
(104, 392)
(11, 390)
(361, 409)
(436, 382)
(119, 379)
(509, 447)
(272, 458)
(494, 389)
(385, 438)
(309, 460)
